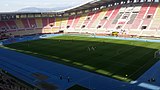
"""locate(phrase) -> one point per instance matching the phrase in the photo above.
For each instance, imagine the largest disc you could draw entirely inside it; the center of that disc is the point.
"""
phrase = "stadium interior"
(117, 18)
(128, 18)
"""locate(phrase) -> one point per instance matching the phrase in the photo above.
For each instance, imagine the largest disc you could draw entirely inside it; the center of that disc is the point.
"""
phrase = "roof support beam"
(131, 1)
(153, 0)
(146, 0)
(138, 0)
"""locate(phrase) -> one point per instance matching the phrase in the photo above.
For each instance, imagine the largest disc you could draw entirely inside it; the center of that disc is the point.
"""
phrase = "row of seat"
(144, 16)
(8, 82)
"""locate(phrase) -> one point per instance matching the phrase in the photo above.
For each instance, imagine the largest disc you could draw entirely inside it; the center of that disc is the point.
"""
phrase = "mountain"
(35, 9)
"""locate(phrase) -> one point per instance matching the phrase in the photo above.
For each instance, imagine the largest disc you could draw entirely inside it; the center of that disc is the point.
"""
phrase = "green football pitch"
(120, 59)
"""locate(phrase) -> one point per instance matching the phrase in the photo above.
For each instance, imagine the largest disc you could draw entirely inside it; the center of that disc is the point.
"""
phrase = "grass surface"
(120, 59)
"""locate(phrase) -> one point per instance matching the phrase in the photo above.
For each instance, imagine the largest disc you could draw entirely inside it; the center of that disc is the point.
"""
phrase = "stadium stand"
(155, 20)
(147, 19)
(134, 9)
(64, 22)
(81, 20)
(45, 22)
(99, 18)
(140, 16)
(109, 24)
(11, 24)
(70, 21)
(157, 34)
(149, 33)
(39, 23)
(19, 24)
(52, 21)
(75, 21)
(132, 18)
(135, 19)
(88, 19)
(32, 23)
(3, 26)
(93, 19)
(9, 82)
(106, 17)
(58, 22)
(25, 23)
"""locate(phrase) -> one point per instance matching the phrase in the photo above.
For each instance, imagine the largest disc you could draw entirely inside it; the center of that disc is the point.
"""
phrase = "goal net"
(157, 54)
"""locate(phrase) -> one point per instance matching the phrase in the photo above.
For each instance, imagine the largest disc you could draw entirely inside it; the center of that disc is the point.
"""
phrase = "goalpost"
(157, 54)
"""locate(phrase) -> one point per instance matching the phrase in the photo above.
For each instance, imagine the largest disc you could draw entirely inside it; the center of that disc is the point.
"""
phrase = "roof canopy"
(90, 4)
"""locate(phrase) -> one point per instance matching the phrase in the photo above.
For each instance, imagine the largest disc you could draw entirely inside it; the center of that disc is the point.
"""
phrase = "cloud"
(13, 5)
(6, 5)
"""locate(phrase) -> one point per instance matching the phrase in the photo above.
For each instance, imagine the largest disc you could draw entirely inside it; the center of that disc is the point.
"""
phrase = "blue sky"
(14, 5)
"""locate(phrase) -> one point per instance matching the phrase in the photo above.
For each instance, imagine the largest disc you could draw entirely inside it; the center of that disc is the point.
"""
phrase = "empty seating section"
(64, 22)
(52, 25)
(25, 23)
(136, 19)
(39, 22)
(135, 32)
(45, 22)
(19, 32)
(52, 21)
(140, 16)
(137, 7)
(9, 82)
(157, 33)
(148, 33)
(78, 30)
(32, 22)
(70, 21)
(75, 21)
(11, 24)
(84, 30)
(129, 23)
(152, 9)
(101, 31)
(155, 25)
(145, 23)
(58, 22)
(109, 24)
(99, 18)
(88, 19)
(93, 19)
(3, 26)
(133, 16)
(81, 20)
(92, 31)
(19, 24)
(55, 30)
(157, 16)
(106, 17)
(150, 14)
(117, 18)
(124, 17)
(142, 11)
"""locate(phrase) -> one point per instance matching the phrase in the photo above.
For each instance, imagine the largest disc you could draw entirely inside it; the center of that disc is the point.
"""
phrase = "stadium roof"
(89, 4)
(86, 5)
